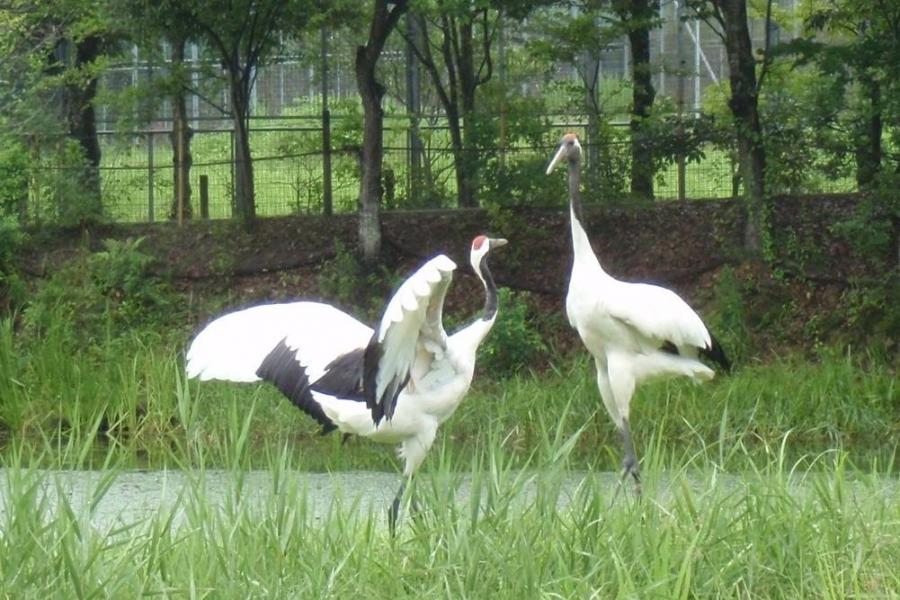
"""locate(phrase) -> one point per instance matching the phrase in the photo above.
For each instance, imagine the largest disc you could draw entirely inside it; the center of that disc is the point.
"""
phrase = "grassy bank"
(65, 406)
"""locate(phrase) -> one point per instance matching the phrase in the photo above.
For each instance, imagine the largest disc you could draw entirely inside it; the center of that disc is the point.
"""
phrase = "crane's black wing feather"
(716, 354)
(280, 367)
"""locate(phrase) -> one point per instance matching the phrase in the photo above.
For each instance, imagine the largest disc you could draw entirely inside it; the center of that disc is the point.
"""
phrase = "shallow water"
(128, 497)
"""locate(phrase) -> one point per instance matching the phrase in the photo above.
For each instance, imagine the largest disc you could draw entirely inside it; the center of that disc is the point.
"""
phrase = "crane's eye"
(570, 142)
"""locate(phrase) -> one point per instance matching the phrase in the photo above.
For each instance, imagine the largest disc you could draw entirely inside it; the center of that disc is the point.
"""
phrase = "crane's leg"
(630, 462)
(394, 510)
(413, 451)
(620, 384)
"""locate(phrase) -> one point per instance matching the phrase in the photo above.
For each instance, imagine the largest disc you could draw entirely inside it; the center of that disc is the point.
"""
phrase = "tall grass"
(129, 393)
(483, 528)
(775, 482)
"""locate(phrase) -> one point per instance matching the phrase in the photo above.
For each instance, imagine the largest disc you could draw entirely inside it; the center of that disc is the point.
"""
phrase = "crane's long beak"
(497, 242)
(557, 158)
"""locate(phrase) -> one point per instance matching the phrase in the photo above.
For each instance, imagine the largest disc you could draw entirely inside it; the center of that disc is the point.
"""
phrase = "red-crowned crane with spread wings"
(395, 384)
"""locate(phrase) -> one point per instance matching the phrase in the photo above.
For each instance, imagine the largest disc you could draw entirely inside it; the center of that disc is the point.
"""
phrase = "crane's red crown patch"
(477, 242)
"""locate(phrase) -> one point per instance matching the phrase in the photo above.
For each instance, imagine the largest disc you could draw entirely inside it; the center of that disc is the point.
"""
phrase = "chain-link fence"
(137, 171)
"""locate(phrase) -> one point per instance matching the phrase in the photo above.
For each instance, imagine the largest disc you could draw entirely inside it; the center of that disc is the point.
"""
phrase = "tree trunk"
(642, 96)
(181, 143)
(82, 122)
(868, 146)
(457, 145)
(468, 86)
(243, 164)
(744, 108)
(371, 92)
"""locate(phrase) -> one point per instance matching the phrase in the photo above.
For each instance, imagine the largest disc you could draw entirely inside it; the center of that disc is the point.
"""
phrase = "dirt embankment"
(683, 245)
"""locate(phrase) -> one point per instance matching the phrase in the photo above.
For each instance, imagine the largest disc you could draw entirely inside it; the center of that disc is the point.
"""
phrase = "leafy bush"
(12, 288)
(346, 281)
(514, 344)
(729, 318)
(13, 177)
(103, 293)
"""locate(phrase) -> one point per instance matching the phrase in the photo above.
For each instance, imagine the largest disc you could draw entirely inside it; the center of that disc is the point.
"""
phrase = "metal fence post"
(151, 209)
(232, 170)
(204, 196)
(327, 199)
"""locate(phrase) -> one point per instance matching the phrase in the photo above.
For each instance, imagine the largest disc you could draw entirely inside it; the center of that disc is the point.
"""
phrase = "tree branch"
(486, 41)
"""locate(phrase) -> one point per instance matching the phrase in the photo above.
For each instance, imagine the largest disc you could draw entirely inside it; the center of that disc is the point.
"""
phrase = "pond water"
(127, 497)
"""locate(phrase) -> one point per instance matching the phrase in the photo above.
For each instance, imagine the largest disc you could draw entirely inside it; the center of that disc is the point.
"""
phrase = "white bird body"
(429, 398)
(634, 331)
(395, 384)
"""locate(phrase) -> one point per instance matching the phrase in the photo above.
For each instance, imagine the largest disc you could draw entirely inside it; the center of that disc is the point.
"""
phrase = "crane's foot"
(630, 468)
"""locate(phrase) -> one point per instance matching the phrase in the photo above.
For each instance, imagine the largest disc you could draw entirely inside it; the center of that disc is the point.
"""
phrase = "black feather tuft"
(343, 377)
(280, 367)
(381, 407)
(669, 348)
(716, 354)
(370, 371)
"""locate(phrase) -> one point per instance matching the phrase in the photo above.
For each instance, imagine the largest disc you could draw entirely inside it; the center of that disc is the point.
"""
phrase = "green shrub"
(514, 344)
(107, 292)
(12, 288)
(345, 281)
(728, 321)
(13, 177)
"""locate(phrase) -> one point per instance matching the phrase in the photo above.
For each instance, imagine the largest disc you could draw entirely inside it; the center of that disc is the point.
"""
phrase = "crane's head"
(569, 149)
(481, 245)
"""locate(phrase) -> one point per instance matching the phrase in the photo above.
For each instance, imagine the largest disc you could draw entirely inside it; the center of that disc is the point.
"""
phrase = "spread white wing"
(234, 346)
(409, 336)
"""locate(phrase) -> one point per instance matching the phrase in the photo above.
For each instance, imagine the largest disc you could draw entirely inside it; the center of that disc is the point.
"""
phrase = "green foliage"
(514, 343)
(96, 295)
(12, 287)
(729, 318)
(872, 229)
(13, 177)
(346, 281)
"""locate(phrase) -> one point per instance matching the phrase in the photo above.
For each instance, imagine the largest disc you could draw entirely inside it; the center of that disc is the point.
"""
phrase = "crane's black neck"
(490, 290)
(575, 189)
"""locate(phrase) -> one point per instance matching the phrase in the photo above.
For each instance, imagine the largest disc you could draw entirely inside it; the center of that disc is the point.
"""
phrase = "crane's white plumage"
(411, 329)
(395, 384)
(233, 346)
(634, 331)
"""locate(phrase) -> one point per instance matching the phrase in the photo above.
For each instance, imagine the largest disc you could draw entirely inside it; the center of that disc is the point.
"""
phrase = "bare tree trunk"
(82, 122)
(868, 146)
(642, 96)
(457, 88)
(457, 145)
(468, 80)
(744, 107)
(243, 163)
(371, 92)
(181, 143)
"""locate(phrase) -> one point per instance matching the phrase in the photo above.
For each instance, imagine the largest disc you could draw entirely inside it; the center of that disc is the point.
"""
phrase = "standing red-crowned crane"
(634, 331)
(394, 385)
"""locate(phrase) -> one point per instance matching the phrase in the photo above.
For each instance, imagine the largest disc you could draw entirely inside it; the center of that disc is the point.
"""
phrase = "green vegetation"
(816, 527)
(776, 481)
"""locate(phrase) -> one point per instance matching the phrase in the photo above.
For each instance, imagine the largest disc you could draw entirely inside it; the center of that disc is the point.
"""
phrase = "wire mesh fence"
(137, 171)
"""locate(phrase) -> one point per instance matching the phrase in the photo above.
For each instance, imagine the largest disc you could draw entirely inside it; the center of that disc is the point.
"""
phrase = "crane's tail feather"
(716, 354)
